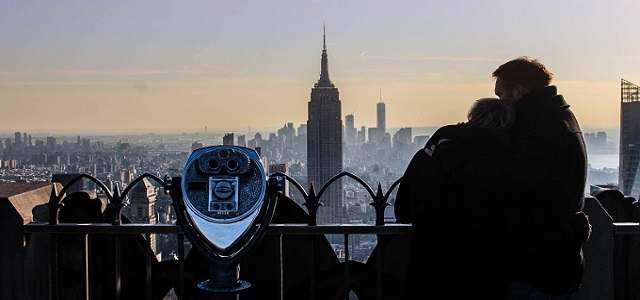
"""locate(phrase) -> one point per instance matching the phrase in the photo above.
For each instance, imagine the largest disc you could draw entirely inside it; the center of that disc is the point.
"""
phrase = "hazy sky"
(183, 65)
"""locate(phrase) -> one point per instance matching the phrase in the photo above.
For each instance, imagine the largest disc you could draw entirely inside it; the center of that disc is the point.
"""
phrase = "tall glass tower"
(350, 131)
(628, 174)
(324, 143)
(382, 122)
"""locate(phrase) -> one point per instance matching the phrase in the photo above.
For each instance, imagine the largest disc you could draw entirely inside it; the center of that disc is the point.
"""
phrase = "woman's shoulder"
(445, 131)
(465, 134)
(454, 131)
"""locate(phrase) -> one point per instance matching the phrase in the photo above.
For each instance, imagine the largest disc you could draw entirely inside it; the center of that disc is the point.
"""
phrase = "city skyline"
(119, 67)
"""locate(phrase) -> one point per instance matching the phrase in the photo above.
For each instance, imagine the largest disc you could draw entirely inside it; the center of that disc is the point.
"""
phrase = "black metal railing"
(613, 241)
(116, 232)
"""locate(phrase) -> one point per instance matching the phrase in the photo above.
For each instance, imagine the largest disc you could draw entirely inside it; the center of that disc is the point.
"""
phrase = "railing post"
(87, 262)
(312, 270)
(181, 257)
(55, 290)
(347, 282)
(118, 269)
(281, 265)
(620, 265)
(380, 262)
(148, 254)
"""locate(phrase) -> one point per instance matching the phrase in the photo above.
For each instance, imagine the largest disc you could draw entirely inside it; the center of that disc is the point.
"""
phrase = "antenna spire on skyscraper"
(324, 80)
(324, 37)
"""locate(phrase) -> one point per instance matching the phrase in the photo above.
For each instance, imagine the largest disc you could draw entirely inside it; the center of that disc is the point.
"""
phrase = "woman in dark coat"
(457, 241)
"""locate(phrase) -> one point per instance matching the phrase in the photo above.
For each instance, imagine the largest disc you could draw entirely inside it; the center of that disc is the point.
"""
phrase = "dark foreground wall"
(597, 283)
(608, 206)
(22, 203)
(17, 201)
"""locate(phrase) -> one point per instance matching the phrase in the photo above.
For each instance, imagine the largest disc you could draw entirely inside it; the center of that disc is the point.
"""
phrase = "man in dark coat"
(549, 165)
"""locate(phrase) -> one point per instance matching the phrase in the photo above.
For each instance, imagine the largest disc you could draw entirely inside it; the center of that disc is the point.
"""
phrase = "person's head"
(492, 113)
(519, 76)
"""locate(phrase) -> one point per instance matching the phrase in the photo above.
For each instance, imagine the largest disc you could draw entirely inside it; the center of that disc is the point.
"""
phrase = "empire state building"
(324, 143)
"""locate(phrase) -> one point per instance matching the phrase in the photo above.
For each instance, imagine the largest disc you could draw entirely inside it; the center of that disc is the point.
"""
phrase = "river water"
(603, 160)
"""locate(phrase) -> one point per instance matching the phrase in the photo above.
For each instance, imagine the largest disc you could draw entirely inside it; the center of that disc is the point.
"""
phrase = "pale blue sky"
(184, 65)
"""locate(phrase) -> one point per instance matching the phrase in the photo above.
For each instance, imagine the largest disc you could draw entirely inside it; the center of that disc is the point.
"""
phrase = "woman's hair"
(492, 113)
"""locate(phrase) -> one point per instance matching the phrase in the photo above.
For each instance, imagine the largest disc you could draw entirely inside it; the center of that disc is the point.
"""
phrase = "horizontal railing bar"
(286, 229)
(626, 228)
(102, 228)
(291, 229)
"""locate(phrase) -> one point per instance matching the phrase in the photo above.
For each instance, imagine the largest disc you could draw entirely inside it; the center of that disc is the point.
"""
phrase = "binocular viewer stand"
(224, 204)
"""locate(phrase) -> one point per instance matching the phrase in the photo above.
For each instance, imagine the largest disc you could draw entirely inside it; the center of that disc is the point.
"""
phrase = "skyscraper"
(18, 139)
(382, 123)
(242, 140)
(227, 139)
(324, 142)
(377, 134)
(350, 131)
(628, 180)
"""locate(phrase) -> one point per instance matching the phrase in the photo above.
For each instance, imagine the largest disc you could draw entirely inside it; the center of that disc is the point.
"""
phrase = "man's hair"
(526, 71)
(492, 113)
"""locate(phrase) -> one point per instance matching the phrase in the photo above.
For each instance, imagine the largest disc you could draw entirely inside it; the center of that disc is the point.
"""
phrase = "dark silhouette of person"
(458, 237)
(548, 164)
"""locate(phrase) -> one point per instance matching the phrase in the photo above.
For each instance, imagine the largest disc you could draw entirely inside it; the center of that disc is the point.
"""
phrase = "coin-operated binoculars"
(224, 204)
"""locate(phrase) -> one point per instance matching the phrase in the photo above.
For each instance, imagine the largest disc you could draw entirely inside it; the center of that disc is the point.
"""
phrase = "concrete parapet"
(17, 203)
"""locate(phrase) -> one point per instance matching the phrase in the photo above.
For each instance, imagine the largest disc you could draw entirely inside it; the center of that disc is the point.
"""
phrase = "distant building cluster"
(597, 142)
